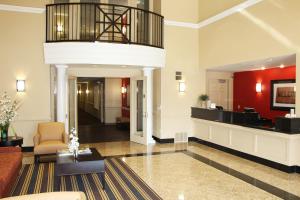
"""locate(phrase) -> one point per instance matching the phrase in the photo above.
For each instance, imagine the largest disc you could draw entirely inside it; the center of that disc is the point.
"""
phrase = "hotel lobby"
(149, 99)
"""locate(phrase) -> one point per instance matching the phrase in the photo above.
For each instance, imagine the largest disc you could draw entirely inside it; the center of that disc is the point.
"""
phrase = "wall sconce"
(123, 90)
(182, 87)
(60, 27)
(20, 85)
(258, 87)
(87, 91)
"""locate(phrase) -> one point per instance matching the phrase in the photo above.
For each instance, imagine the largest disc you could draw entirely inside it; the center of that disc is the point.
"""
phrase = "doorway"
(103, 109)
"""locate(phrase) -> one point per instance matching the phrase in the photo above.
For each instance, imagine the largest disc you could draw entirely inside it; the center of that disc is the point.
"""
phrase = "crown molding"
(6, 7)
(181, 24)
(215, 18)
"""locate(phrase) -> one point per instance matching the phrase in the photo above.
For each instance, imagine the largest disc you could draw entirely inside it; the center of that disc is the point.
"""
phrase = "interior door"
(138, 110)
(218, 92)
(72, 103)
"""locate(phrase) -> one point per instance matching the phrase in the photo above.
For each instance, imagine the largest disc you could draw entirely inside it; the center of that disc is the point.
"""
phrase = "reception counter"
(245, 138)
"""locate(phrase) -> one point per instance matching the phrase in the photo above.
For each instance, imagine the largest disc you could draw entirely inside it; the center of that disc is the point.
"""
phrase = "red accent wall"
(245, 95)
(125, 108)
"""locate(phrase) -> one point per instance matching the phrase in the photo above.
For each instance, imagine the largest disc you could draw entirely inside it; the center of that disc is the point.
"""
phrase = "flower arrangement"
(8, 111)
(73, 143)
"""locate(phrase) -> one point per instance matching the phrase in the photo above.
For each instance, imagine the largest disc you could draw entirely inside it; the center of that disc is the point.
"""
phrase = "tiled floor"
(176, 175)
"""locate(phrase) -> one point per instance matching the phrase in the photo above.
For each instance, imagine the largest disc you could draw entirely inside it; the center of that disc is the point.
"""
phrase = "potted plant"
(8, 111)
(203, 99)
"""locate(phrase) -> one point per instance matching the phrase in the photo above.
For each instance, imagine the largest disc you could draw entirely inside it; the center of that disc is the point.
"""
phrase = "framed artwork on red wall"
(283, 94)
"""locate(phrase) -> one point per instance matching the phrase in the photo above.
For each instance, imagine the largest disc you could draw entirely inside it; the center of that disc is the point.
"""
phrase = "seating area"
(49, 138)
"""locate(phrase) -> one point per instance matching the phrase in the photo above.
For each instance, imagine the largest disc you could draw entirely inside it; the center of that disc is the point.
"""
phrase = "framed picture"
(283, 94)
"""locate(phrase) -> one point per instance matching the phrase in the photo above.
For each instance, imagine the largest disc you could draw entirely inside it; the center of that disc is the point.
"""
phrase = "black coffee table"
(11, 141)
(84, 164)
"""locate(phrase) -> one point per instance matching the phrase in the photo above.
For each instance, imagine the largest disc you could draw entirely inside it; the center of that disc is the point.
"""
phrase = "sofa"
(51, 196)
(10, 165)
(49, 138)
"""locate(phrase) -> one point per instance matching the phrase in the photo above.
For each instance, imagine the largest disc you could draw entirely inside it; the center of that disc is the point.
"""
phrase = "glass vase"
(4, 132)
(75, 153)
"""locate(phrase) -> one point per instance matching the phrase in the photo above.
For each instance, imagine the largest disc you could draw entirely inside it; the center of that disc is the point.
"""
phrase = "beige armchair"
(50, 137)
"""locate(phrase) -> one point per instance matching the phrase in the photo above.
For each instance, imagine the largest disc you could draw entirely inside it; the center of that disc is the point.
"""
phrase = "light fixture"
(79, 91)
(263, 68)
(20, 85)
(258, 87)
(282, 66)
(123, 90)
(182, 86)
(60, 27)
(87, 91)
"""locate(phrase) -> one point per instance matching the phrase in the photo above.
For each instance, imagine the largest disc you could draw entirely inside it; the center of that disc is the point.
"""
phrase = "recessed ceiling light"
(262, 68)
(282, 66)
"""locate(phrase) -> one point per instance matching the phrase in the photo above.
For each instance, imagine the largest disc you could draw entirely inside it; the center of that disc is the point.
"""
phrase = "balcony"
(98, 22)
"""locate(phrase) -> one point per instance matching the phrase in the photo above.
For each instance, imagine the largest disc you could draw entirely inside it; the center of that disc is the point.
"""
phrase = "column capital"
(60, 66)
(148, 69)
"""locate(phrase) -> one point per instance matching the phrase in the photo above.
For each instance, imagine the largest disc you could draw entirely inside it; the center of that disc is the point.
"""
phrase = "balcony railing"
(90, 22)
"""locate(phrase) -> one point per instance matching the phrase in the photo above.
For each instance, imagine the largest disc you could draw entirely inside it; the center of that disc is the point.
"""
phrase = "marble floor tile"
(286, 181)
(178, 176)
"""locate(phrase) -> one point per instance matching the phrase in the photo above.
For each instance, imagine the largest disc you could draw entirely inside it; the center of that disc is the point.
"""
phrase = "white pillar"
(148, 73)
(61, 93)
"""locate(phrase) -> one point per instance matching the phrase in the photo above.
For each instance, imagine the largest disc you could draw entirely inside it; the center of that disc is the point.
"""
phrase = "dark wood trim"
(163, 141)
(27, 149)
(275, 165)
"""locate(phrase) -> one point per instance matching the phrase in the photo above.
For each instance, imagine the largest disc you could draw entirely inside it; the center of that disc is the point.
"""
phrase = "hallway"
(91, 130)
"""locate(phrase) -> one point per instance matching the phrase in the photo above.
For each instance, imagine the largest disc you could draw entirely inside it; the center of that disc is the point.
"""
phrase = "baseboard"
(272, 164)
(163, 141)
(27, 149)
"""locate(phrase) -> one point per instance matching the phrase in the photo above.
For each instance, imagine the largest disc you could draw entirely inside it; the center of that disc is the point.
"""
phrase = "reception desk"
(245, 138)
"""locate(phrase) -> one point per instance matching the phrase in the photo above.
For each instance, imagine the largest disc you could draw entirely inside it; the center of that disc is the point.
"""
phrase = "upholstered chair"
(49, 138)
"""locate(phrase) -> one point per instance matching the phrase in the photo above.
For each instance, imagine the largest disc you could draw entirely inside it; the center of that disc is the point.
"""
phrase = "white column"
(148, 73)
(61, 93)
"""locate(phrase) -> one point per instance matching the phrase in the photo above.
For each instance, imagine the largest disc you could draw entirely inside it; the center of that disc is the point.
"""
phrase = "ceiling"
(272, 62)
(209, 8)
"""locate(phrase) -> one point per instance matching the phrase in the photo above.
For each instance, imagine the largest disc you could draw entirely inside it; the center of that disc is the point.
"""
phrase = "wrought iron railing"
(90, 22)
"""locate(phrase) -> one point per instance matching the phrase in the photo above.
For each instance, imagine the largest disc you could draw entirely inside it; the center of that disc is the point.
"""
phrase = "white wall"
(113, 100)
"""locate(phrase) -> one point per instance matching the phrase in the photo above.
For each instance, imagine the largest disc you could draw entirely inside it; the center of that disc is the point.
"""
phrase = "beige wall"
(113, 101)
(29, 3)
(182, 11)
(21, 57)
(213, 7)
(182, 53)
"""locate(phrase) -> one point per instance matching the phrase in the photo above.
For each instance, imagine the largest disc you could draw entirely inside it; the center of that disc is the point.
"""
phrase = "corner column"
(148, 73)
(61, 93)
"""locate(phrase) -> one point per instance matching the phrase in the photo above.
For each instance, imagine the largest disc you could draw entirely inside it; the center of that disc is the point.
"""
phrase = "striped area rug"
(121, 182)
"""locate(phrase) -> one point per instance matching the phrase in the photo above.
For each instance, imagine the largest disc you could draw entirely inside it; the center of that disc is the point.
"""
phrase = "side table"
(11, 141)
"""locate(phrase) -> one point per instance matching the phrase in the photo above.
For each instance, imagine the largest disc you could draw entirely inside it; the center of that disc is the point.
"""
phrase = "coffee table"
(84, 164)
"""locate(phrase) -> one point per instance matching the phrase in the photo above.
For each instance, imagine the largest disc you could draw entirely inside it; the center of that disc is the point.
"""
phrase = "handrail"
(91, 22)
